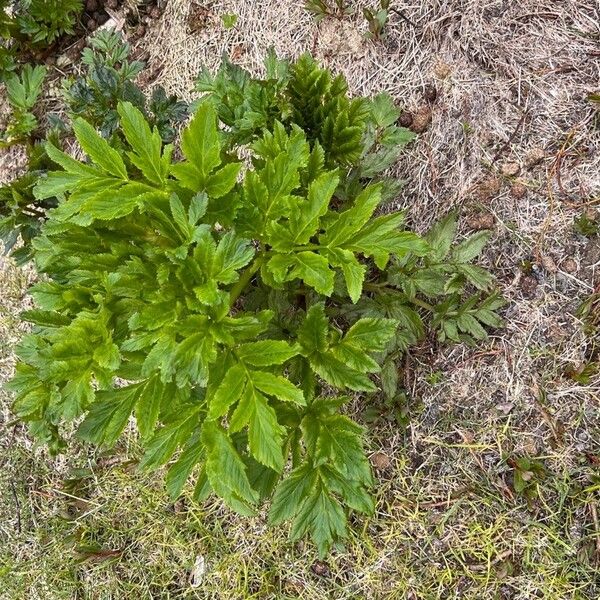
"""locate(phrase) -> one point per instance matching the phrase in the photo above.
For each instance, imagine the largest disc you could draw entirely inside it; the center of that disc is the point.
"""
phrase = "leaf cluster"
(233, 308)
(321, 9)
(110, 79)
(23, 91)
(31, 25)
(44, 21)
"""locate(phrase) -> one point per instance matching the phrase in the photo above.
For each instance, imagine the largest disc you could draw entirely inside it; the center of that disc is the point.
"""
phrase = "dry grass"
(511, 135)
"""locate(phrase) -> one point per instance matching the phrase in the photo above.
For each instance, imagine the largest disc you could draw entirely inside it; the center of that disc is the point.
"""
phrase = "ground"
(509, 139)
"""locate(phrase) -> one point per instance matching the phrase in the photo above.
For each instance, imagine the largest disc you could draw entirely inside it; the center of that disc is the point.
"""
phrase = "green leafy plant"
(229, 20)
(377, 20)
(320, 9)
(110, 79)
(231, 309)
(44, 21)
(587, 225)
(527, 473)
(23, 91)
(21, 214)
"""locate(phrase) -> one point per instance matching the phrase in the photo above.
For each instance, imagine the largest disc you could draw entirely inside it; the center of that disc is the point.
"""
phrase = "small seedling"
(527, 473)
(587, 225)
(321, 9)
(229, 20)
(23, 91)
(377, 20)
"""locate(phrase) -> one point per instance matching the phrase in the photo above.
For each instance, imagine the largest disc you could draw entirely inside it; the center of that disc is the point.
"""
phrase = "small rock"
(320, 568)
(92, 24)
(421, 119)
(380, 461)
(529, 286)
(510, 169)
(50, 60)
(549, 264)
(155, 12)
(518, 189)
(405, 119)
(569, 265)
(481, 221)
(430, 92)
(534, 157)
(91, 6)
(488, 188)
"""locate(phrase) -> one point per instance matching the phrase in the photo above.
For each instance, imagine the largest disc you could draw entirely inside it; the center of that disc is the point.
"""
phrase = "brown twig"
(403, 16)
(511, 137)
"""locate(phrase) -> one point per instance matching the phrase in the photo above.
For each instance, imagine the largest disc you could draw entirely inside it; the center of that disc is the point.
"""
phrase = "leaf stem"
(245, 278)
(382, 287)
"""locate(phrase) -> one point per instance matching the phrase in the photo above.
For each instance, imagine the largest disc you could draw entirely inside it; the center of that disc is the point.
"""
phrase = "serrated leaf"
(147, 406)
(275, 385)
(98, 149)
(441, 236)
(349, 222)
(165, 442)
(145, 143)
(470, 248)
(108, 415)
(267, 352)
(371, 334)
(290, 493)
(222, 181)
(200, 146)
(181, 469)
(224, 467)
(312, 335)
(228, 392)
(265, 435)
(310, 267)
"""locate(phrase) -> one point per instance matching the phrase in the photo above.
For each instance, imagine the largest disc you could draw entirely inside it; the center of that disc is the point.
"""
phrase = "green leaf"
(228, 392)
(441, 236)
(108, 415)
(470, 248)
(310, 267)
(353, 271)
(275, 385)
(223, 180)
(352, 220)
(165, 442)
(265, 435)
(312, 335)
(200, 146)
(99, 150)
(148, 405)
(145, 143)
(291, 493)
(225, 469)
(371, 334)
(267, 352)
(181, 469)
